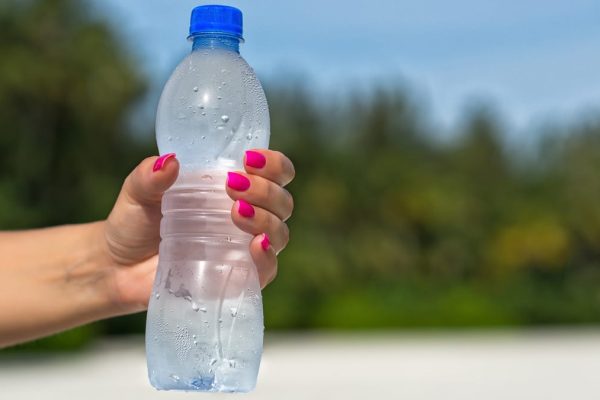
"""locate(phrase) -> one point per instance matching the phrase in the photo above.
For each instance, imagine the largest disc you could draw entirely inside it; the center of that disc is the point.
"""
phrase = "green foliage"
(65, 87)
(73, 340)
(392, 227)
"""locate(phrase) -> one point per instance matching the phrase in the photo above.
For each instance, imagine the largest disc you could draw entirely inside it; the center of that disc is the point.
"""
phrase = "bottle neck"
(215, 41)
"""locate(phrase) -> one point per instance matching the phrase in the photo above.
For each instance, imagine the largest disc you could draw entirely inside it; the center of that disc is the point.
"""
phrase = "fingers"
(264, 258)
(260, 192)
(269, 164)
(256, 220)
(149, 180)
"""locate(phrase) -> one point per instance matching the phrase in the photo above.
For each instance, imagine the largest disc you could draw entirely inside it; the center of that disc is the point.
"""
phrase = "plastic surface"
(204, 327)
(216, 19)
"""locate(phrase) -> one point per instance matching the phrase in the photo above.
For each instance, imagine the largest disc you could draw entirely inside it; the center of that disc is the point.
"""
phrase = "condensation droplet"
(234, 311)
(195, 88)
(249, 136)
(225, 118)
(158, 295)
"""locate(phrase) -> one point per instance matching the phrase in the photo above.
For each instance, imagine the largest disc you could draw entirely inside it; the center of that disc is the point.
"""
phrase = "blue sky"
(533, 59)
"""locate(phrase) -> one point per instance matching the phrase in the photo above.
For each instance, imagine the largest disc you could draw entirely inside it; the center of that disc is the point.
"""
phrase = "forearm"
(51, 279)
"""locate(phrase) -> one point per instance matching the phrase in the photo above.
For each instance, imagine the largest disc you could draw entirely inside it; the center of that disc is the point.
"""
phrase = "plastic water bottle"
(204, 329)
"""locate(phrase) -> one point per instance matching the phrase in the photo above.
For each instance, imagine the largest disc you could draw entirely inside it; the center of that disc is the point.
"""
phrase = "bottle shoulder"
(209, 61)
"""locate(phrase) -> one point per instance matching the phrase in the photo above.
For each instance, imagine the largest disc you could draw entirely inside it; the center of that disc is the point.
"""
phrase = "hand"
(131, 232)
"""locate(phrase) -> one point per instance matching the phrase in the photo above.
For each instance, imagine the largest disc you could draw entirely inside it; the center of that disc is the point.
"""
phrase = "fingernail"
(255, 159)
(245, 209)
(160, 161)
(237, 181)
(265, 243)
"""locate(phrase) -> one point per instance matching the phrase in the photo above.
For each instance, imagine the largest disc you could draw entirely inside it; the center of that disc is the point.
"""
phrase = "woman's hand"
(131, 232)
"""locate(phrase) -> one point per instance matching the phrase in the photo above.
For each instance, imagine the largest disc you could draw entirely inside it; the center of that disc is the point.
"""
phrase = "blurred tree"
(66, 85)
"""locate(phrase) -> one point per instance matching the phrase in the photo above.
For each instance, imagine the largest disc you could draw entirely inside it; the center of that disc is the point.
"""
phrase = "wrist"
(89, 272)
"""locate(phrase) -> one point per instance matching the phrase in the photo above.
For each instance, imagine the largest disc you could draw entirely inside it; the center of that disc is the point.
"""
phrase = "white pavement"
(462, 366)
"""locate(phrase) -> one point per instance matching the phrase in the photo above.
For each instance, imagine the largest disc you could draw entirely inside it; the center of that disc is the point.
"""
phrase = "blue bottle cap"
(216, 19)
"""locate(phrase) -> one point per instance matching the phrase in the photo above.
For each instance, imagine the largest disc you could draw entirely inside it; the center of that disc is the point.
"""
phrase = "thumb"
(149, 180)
(132, 228)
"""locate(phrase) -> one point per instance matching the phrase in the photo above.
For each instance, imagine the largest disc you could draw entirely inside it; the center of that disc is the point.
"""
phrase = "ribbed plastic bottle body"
(204, 327)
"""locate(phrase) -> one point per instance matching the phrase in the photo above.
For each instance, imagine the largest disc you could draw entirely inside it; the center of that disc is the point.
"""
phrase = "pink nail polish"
(255, 159)
(245, 209)
(237, 181)
(160, 161)
(265, 243)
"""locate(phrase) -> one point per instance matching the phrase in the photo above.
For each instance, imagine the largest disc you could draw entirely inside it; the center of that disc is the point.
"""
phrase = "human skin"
(52, 279)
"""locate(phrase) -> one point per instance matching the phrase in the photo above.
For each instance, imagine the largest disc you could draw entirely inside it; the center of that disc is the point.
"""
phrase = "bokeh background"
(447, 153)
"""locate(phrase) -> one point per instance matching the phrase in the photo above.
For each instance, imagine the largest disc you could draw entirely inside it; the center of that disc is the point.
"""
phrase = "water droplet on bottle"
(157, 295)
(195, 342)
(203, 113)
(195, 88)
(195, 306)
(170, 138)
(249, 136)
(234, 311)
(203, 309)
(225, 118)
(174, 377)
(219, 97)
(203, 137)
(220, 128)
(193, 336)
(213, 361)
(220, 320)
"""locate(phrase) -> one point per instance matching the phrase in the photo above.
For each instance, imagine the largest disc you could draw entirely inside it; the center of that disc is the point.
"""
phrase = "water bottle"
(204, 329)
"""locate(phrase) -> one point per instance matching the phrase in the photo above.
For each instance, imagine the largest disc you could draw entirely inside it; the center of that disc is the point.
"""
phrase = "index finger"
(270, 164)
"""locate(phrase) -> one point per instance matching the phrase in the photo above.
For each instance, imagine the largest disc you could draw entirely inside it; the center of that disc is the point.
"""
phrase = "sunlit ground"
(557, 364)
